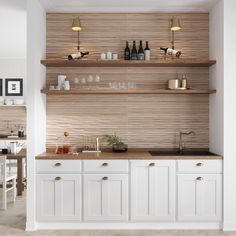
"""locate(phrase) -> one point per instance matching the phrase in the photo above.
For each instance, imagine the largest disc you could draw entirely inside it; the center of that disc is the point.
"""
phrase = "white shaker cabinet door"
(199, 197)
(106, 197)
(152, 190)
(58, 197)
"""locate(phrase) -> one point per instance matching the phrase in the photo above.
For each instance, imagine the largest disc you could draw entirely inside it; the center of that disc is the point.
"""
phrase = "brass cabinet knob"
(58, 178)
(199, 178)
(104, 164)
(152, 164)
(105, 178)
(58, 164)
(199, 164)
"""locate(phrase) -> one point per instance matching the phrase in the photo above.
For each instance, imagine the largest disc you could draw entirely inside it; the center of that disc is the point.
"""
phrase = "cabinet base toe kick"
(128, 226)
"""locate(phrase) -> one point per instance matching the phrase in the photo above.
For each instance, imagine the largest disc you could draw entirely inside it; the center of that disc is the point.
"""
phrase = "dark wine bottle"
(171, 52)
(134, 53)
(127, 51)
(147, 52)
(164, 49)
(140, 51)
(77, 55)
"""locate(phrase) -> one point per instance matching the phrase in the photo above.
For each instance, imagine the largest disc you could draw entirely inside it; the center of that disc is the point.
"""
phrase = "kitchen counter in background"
(130, 155)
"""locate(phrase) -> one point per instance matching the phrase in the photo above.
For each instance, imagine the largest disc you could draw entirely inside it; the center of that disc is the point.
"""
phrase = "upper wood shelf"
(134, 91)
(13, 105)
(123, 63)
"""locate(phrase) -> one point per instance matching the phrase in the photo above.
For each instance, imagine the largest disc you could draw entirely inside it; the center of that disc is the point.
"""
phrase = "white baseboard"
(128, 226)
(30, 226)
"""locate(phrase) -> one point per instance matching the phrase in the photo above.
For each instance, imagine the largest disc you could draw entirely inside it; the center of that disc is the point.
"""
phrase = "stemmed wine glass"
(97, 79)
(90, 81)
(76, 81)
(83, 83)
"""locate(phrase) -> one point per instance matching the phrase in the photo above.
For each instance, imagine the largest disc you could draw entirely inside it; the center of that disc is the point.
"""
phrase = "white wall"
(36, 111)
(223, 104)
(216, 50)
(229, 115)
(13, 68)
(13, 29)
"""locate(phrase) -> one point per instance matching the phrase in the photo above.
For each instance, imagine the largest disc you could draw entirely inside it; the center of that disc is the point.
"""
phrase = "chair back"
(3, 167)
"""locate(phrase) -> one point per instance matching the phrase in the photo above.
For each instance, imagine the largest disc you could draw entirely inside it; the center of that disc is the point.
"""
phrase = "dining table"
(19, 157)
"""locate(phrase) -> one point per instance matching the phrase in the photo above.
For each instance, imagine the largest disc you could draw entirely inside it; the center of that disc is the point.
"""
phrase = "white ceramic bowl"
(18, 101)
(8, 102)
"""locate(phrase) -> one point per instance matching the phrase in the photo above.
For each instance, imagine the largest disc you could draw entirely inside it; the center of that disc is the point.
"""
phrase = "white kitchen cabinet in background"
(199, 197)
(58, 197)
(105, 197)
(152, 190)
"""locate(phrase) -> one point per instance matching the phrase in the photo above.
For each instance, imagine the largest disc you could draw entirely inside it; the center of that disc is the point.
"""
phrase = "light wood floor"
(12, 223)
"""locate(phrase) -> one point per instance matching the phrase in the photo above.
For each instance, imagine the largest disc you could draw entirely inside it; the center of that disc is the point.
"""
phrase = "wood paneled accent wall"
(146, 121)
(11, 116)
(108, 32)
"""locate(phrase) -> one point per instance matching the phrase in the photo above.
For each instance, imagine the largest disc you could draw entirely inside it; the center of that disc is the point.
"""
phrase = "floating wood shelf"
(19, 138)
(13, 105)
(122, 63)
(134, 91)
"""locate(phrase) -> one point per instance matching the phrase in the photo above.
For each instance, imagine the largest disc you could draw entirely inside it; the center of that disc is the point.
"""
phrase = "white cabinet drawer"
(199, 166)
(106, 166)
(58, 166)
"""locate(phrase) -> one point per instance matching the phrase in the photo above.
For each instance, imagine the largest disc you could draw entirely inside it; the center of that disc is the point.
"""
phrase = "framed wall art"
(1, 87)
(14, 87)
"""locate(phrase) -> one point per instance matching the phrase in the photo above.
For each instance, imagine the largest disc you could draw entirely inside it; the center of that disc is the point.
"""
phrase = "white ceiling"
(128, 5)
(13, 29)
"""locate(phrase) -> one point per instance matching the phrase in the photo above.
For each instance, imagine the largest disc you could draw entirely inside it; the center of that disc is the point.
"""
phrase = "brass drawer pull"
(105, 164)
(58, 164)
(199, 178)
(58, 178)
(199, 164)
(105, 178)
(152, 164)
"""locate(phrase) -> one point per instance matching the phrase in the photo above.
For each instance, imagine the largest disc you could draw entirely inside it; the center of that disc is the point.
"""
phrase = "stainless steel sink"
(184, 153)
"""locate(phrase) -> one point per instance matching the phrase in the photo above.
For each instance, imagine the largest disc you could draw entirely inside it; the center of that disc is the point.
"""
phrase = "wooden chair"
(5, 178)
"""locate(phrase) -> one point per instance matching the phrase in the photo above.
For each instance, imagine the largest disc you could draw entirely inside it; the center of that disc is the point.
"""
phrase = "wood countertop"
(131, 155)
(21, 154)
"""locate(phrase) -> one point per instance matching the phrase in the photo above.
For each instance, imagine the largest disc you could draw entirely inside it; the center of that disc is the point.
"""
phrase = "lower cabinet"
(105, 197)
(199, 197)
(130, 191)
(152, 190)
(58, 197)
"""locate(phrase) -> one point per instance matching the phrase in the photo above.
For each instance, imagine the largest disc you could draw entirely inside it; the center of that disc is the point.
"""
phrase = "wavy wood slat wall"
(145, 121)
(108, 32)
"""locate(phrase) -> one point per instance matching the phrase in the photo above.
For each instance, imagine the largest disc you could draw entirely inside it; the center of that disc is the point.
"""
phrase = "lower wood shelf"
(133, 91)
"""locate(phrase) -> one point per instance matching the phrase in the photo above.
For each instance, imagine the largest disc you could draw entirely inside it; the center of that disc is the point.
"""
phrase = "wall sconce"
(175, 26)
(76, 26)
